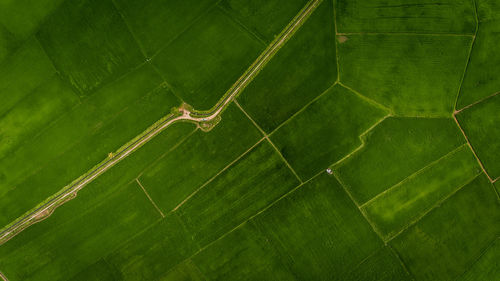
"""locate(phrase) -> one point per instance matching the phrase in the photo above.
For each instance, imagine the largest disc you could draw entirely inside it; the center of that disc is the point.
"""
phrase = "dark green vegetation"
(366, 149)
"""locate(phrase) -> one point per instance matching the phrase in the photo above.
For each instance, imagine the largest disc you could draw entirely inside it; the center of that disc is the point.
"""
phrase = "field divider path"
(4, 278)
(183, 114)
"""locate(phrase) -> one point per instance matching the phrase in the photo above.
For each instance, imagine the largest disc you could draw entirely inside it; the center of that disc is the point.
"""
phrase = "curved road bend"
(69, 192)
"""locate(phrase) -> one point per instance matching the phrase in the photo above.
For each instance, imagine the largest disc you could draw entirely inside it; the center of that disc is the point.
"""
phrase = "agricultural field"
(249, 140)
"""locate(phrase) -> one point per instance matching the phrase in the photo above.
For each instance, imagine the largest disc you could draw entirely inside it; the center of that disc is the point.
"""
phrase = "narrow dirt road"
(70, 191)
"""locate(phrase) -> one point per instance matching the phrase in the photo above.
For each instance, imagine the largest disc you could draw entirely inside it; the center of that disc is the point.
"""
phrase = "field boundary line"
(408, 34)
(270, 142)
(369, 100)
(476, 260)
(372, 225)
(414, 174)
(472, 149)
(432, 208)
(476, 103)
(248, 220)
(336, 40)
(303, 108)
(241, 25)
(468, 56)
(149, 197)
(403, 264)
(216, 175)
(4, 278)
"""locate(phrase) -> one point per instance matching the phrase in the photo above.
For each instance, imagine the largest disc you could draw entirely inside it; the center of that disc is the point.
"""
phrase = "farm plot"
(481, 77)
(154, 26)
(174, 177)
(205, 60)
(481, 126)
(80, 139)
(450, 238)
(325, 131)
(264, 18)
(414, 75)
(89, 44)
(304, 68)
(487, 267)
(454, 17)
(76, 236)
(394, 150)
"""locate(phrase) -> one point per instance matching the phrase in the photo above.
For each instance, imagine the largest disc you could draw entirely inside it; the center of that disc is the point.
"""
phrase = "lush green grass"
(481, 125)
(203, 155)
(487, 267)
(455, 17)
(310, 64)
(157, 22)
(97, 272)
(80, 139)
(407, 201)
(89, 44)
(488, 10)
(318, 231)
(395, 149)
(229, 200)
(448, 240)
(205, 60)
(22, 72)
(481, 79)
(327, 130)
(415, 75)
(263, 17)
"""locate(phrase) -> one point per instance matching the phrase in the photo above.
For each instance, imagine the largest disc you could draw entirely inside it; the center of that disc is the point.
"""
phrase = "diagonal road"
(70, 191)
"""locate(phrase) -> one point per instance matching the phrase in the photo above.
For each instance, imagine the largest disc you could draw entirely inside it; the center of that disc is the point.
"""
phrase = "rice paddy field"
(338, 140)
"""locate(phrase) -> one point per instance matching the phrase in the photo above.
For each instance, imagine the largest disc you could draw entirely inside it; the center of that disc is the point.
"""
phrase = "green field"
(165, 140)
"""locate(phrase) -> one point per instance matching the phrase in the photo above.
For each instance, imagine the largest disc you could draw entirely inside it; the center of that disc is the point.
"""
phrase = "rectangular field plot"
(456, 17)
(157, 22)
(407, 201)
(253, 182)
(481, 78)
(80, 139)
(22, 72)
(488, 10)
(265, 18)
(174, 177)
(89, 44)
(99, 271)
(203, 62)
(319, 232)
(244, 253)
(301, 70)
(327, 130)
(481, 126)
(415, 75)
(394, 150)
(68, 246)
(450, 238)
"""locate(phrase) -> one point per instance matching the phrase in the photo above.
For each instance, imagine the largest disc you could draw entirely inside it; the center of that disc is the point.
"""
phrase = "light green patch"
(395, 149)
(407, 201)
(415, 75)
(447, 240)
